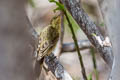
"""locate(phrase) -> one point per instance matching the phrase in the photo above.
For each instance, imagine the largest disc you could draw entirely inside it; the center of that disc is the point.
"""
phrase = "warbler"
(48, 37)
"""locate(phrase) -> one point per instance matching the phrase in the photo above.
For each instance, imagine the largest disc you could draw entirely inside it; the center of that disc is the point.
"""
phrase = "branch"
(70, 47)
(77, 47)
(56, 68)
(89, 28)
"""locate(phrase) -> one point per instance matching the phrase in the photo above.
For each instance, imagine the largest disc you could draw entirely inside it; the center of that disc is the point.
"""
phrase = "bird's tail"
(38, 68)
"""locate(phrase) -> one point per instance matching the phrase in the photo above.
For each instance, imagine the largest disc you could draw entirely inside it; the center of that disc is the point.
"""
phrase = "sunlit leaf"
(61, 6)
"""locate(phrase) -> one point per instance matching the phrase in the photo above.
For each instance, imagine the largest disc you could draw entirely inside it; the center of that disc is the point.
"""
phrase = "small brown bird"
(48, 39)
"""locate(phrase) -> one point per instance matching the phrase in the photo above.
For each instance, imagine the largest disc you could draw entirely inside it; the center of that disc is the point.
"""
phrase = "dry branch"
(89, 28)
(56, 68)
(70, 47)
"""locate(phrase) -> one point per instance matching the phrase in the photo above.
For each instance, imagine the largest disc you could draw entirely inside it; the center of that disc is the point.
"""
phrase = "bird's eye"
(45, 44)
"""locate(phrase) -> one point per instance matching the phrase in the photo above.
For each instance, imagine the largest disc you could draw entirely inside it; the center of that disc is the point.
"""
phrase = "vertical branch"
(93, 58)
(76, 44)
(77, 47)
(94, 62)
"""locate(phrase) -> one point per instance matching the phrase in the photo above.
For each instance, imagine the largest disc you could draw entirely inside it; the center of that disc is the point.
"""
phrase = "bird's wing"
(43, 50)
(38, 68)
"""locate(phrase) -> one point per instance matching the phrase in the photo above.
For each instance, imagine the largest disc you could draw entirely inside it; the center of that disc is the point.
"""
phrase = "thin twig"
(70, 47)
(94, 62)
(77, 47)
(89, 28)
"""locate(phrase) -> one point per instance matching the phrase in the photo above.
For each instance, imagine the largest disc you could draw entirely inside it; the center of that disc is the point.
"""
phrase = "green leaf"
(61, 6)
(58, 8)
(51, 0)
(90, 77)
(73, 22)
(31, 2)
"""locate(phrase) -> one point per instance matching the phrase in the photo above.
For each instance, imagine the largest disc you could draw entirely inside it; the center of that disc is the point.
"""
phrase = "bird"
(48, 38)
(47, 41)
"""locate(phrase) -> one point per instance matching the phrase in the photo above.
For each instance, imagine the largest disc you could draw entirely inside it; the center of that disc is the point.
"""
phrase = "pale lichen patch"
(106, 42)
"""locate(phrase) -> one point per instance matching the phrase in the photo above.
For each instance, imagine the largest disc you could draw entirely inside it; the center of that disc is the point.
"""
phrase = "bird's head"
(56, 22)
